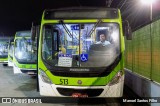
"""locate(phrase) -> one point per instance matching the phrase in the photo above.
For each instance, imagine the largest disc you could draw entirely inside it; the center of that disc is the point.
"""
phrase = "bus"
(24, 58)
(10, 52)
(4, 50)
(72, 62)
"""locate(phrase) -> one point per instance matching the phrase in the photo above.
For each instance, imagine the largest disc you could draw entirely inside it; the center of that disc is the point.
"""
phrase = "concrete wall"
(143, 87)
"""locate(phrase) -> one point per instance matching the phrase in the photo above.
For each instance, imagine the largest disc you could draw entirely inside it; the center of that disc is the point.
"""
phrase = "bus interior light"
(20, 54)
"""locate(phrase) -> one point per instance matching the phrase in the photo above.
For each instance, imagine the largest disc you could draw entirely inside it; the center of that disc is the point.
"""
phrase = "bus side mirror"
(35, 36)
(15, 44)
(37, 31)
(33, 33)
(127, 30)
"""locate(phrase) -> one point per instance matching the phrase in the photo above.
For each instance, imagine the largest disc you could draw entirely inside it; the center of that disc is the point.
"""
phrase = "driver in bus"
(103, 40)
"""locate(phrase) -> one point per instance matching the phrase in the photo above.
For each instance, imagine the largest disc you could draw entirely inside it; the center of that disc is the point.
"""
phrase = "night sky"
(17, 15)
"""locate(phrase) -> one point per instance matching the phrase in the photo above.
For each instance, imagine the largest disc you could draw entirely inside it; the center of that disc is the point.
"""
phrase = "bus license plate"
(30, 73)
(79, 95)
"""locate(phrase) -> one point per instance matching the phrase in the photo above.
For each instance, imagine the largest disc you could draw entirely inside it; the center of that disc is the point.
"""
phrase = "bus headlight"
(116, 78)
(44, 77)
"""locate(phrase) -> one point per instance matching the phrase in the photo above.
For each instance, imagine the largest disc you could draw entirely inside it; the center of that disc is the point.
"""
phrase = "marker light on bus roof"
(148, 2)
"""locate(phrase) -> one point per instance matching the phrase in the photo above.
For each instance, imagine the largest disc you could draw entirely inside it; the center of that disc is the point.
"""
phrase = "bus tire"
(5, 64)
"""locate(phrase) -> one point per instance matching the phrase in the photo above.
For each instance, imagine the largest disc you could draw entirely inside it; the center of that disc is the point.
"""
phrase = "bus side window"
(55, 40)
(46, 41)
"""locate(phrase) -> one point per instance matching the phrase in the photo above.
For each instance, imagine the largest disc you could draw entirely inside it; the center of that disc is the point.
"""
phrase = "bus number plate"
(79, 95)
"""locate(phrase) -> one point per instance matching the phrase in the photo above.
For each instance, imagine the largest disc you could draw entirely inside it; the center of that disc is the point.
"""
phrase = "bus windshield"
(3, 49)
(81, 44)
(23, 51)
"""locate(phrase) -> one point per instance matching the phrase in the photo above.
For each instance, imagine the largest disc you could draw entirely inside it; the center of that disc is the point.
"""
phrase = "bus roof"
(81, 13)
(23, 34)
(4, 39)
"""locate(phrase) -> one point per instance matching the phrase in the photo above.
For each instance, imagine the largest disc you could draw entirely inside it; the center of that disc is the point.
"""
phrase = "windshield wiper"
(94, 27)
(66, 29)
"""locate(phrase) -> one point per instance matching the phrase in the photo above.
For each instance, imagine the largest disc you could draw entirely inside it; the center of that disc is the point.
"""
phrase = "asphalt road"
(22, 85)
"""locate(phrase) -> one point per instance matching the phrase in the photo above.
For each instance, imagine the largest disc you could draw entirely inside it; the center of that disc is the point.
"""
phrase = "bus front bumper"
(10, 63)
(4, 62)
(23, 70)
(115, 90)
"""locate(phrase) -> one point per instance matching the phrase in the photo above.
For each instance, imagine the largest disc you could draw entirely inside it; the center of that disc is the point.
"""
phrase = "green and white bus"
(10, 52)
(72, 62)
(4, 50)
(24, 58)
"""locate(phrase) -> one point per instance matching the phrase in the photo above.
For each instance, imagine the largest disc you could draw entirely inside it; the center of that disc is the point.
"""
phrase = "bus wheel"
(33, 76)
(5, 64)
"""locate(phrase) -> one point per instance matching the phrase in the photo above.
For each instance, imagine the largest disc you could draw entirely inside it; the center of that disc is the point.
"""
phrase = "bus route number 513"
(64, 81)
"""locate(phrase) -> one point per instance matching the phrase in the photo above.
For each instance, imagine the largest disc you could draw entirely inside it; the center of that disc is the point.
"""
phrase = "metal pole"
(151, 40)
(123, 4)
(151, 12)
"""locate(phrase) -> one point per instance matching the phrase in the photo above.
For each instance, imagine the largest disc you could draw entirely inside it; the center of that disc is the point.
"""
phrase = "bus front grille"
(89, 92)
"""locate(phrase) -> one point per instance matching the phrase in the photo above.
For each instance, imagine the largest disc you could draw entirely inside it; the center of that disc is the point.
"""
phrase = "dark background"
(16, 15)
